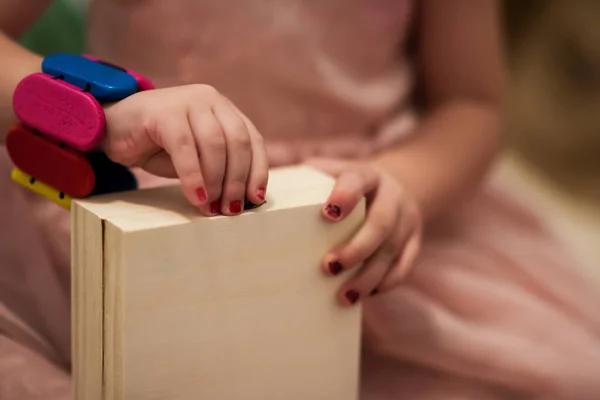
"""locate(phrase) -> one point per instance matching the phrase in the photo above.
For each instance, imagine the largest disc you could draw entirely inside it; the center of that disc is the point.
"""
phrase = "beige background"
(554, 124)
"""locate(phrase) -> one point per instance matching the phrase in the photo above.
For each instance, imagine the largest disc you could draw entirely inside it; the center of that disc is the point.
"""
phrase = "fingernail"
(260, 193)
(333, 211)
(352, 296)
(235, 207)
(201, 193)
(374, 292)
(214, 207)
(335, 267)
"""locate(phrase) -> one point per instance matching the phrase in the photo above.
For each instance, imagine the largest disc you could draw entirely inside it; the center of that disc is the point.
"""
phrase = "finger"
(176, 136)
(396, 274)
(259, 168)
(239, 158)
(210, 142)
(366, 282)
(408, 239)
(349, 189)
(379, 225)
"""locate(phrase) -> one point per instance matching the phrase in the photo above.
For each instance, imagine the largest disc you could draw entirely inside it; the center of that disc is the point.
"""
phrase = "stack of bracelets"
(55, 146)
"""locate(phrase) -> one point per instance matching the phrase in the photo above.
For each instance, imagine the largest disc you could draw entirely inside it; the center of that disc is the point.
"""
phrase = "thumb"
(159, 164)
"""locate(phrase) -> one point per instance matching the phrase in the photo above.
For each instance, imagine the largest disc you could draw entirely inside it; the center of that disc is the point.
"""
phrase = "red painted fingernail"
(352, 296)
(333, 211)
(201, 193)
(214, 207)
(335, 267)
(374, 292)
(235, 207)
(260, 193)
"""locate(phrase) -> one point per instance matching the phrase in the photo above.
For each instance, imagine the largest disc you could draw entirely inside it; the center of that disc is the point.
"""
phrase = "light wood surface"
(87, 303)
(172, 305)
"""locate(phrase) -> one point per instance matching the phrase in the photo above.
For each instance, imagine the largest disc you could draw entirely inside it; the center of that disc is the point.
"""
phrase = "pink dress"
(493, 309)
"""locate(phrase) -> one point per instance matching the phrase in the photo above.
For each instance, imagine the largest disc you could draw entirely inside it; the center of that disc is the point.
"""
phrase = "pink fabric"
(493, 309)
(492, 300)
(316, 78)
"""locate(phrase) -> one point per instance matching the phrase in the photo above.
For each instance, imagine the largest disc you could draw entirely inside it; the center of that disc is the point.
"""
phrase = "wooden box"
(168, 304)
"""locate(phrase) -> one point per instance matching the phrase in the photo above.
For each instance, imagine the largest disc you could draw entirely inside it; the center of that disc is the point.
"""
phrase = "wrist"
(416, 191)
(448, 155)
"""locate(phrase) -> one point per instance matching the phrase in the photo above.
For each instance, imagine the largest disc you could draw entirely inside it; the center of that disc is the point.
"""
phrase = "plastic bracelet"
(60, 111)
(62, 121)
(60, 167)
(143, 83)
(41, 188)
(104, 82)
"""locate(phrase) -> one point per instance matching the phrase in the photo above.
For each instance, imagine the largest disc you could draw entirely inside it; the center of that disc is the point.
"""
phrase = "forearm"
(16, 63)
(450, 153)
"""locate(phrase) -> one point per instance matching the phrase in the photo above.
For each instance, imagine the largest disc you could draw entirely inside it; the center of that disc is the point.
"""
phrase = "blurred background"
(553, 157)
(553, 130)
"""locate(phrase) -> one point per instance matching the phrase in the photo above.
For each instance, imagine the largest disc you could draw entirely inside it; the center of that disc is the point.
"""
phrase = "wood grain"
(87, 303)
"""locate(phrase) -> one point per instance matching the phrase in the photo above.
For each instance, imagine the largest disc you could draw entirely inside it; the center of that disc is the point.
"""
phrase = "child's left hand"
(390, 239)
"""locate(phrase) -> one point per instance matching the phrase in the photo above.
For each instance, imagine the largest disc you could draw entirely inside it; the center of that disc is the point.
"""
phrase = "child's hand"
(387, 243)
(194, 133)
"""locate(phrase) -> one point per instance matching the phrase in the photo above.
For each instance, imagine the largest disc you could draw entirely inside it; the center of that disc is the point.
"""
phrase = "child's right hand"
(196, 134)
